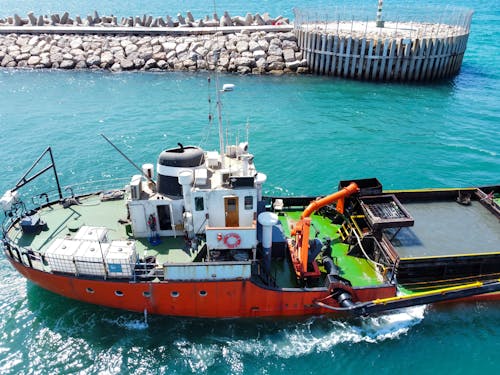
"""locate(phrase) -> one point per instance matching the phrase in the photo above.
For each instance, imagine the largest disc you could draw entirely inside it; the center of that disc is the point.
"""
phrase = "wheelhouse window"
(199, 204)
(248, 202)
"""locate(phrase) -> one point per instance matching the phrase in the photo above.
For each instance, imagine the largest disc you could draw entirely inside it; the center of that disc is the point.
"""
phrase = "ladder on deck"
(344, 230)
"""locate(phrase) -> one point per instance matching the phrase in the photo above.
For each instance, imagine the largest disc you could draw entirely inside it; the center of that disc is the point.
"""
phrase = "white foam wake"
(320, 334)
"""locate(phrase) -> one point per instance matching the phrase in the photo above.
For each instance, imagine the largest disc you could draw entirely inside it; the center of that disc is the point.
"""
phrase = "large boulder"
(107, 58)
(129, 48)
(67, 64)
(181, 47)
(259, 54)
(289, 55)
(274, 50)
(241, 46)
(6, 60)
(93, 60)
(244, 61)
(126, 64)
(169, 46)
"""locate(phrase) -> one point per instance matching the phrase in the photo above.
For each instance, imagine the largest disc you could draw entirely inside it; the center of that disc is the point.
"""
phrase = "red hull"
(222, 299)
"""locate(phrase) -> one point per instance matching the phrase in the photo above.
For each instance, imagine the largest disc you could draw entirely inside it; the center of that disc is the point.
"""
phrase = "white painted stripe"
(165, 170)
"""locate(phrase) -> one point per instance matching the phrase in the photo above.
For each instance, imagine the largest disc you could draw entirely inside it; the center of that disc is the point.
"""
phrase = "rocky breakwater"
(246, 52)
(181, 21)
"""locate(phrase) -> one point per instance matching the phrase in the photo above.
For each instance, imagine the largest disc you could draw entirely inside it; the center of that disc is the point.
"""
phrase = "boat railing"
(20, 254)
(29, 202)
(91, 187)
(77, 190)
(145, 271)
(140, 271)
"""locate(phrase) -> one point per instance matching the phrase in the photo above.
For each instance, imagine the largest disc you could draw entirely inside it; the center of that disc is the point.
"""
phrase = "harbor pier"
(396, 44)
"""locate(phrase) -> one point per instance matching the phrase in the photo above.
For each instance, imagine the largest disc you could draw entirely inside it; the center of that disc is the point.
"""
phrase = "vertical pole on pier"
(362, 55)
(369, 59)
(413, 56)
(334, 55)
(421, 51)
(376, 59)
(347, 57)
(383, 59)
(407, 45)
(323, 54)
(329, 42)
(317, 51)
(355, 55)
(399, 59)
(341, 56)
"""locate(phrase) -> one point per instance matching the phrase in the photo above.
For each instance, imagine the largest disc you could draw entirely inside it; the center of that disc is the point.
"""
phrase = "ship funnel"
(172, 162)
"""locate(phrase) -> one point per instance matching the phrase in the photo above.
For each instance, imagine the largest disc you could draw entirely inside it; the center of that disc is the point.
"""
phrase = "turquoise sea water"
(307, 133)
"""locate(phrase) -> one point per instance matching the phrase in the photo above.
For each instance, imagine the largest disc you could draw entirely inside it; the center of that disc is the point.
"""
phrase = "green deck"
(64, 222)
(358, 271)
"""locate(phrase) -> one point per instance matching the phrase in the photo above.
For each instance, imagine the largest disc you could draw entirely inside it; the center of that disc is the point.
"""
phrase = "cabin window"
(199, 205)
(232, 204)
(174, 294)
(203, 293)
(146, 294)
(164, 219)
(118, 293)
(89, 290)
(248, 202)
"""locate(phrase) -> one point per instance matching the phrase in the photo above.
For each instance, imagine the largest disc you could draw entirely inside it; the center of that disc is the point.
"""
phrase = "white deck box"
(121, 258)
(87, 233)
(60, 254)
(90, 258)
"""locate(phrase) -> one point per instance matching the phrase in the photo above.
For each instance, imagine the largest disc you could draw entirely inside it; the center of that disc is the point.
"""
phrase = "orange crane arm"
(302, 228)
(337, 196)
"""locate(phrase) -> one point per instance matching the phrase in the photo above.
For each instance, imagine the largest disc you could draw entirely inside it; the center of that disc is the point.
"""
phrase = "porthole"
(174, 294)
(89, 290)
(203, 293)
(146, 294)
(118, 293)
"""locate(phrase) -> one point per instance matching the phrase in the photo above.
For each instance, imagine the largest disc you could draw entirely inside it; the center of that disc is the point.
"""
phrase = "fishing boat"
(196, 237)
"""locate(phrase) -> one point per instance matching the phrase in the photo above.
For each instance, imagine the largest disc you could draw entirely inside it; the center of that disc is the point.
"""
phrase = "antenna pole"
(219, 117)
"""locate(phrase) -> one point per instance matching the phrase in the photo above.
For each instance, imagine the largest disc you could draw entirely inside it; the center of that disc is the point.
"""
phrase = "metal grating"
(385, 211)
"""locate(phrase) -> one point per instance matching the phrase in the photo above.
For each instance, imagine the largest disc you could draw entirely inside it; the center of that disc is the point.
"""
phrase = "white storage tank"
(60, 255)
(121, 259)
(90, 257)
(88, 233)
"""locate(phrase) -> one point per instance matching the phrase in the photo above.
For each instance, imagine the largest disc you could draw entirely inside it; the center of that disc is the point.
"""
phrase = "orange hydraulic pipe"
(341, 194)
(302, 234)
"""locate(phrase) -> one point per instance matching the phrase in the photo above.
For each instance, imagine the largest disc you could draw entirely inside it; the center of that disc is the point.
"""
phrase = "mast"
(218, 91)
(219, 116)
